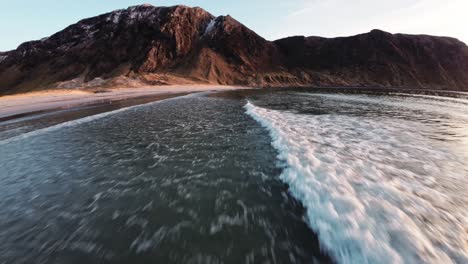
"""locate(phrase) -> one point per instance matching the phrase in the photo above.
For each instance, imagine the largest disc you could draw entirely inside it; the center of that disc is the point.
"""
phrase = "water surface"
(187, 180)
(383, 177)
(287, 176)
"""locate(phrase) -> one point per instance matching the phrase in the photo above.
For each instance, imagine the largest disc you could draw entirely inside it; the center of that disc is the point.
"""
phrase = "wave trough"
(92, 118)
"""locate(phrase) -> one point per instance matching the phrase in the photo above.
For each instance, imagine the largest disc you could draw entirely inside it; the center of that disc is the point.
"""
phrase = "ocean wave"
(431, 104)
(374, 192)
(91, 118)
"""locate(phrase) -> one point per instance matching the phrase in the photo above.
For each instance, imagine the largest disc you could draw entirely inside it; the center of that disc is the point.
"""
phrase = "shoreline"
(39, 102)
(22, 105)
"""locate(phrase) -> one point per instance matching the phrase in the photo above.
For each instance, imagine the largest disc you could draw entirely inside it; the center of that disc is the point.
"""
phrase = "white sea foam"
(375, 191)
(443, 105)
(434, 97)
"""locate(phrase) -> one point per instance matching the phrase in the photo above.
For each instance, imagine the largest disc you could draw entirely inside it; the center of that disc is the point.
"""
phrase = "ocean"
(248, 176)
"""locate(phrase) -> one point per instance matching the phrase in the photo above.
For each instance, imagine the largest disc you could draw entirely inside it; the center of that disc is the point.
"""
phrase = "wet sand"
(13, 106)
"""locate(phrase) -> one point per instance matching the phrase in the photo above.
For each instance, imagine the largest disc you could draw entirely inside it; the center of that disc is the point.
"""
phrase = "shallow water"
(189, 180)
(383, 178)
(20, 124)
(241, 177)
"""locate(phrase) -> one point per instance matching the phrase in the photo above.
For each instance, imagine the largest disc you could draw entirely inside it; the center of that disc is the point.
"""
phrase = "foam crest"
(431, 104)
(375, 192)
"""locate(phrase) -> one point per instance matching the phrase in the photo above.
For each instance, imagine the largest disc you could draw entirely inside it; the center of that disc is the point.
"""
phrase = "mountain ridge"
(148, 45)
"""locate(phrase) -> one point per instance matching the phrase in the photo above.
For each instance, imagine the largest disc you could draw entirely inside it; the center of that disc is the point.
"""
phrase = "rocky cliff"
(147, 45)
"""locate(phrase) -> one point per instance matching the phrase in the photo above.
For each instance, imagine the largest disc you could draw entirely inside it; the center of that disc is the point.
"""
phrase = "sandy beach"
(20, 104)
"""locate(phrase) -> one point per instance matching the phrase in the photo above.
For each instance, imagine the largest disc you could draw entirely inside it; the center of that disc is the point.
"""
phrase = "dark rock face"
(157, 45)
(383, 59)
(138, 39)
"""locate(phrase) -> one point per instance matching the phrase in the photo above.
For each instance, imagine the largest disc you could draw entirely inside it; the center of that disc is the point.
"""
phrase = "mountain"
(379, 58)
(147, 45)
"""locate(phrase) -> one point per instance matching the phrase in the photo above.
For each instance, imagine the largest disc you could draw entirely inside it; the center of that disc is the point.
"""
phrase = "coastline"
(38, 102)
(20, 105)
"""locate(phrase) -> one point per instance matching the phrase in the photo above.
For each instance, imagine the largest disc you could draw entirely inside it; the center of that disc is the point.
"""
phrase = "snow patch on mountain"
(210, 27)
(144, 11)
(3, 57)
(114, 17)
(133, 13)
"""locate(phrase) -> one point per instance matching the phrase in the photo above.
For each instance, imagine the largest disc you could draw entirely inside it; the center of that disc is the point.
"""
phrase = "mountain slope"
(145, 45)
(383, 59)
(140, 38)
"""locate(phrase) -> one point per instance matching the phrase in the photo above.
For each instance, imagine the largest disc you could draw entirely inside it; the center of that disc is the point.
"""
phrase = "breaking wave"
(376, 191)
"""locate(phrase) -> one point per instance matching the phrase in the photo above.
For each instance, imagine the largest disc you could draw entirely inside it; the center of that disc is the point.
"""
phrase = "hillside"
(147, 45)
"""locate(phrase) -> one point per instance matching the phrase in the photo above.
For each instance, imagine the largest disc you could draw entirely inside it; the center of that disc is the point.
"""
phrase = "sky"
(22, 20)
